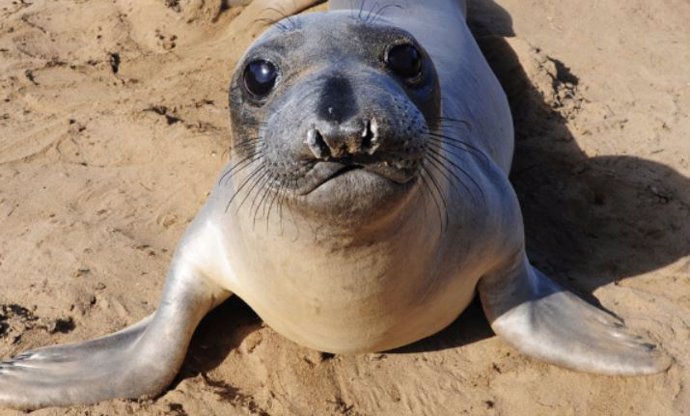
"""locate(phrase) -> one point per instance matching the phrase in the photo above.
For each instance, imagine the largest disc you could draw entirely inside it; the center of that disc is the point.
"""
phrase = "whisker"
(244, 183)
(255, 182)
(434, 197)
(276, 193)
(361, 9)
(381, 10)
(229, 172)
(264, 191)
(451, 176)
(440, 193)
(272, 22)
(292, 25)
(242, 164)
(279, 12)
(281, 204)
(246, 143)
(457, 144)
(366, 19)
(461, 170)
(425, 192)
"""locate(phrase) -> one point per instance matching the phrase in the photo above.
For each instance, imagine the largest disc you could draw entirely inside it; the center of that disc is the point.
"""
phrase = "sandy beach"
(114, 127)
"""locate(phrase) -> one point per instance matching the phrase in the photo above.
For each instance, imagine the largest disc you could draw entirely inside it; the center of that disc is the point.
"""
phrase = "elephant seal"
(366, 201)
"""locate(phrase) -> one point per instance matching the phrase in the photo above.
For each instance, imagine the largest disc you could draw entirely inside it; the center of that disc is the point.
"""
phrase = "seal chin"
(350, 194)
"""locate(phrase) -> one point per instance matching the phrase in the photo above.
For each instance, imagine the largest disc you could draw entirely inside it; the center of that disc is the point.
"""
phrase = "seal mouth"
(324, 173)
(343, 171)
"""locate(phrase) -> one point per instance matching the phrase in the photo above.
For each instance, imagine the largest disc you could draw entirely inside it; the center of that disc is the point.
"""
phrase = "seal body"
(363, 272)
(366, 202)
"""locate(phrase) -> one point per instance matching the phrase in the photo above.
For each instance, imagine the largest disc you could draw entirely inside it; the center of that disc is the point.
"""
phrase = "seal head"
(337, 113)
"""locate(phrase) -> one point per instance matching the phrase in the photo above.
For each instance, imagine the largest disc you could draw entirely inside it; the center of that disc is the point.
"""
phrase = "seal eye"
(260, 77)
(405, 60)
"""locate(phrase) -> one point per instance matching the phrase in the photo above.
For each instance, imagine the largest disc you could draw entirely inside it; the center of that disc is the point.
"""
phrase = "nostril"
(317, 145)
(370, 137)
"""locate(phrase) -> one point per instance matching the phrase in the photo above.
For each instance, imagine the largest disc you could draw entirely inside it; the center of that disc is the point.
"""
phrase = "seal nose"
(337, 102)
(337, 141)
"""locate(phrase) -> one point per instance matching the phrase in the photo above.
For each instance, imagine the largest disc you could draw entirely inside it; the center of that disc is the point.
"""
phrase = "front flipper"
(141, 360)
(541, 319)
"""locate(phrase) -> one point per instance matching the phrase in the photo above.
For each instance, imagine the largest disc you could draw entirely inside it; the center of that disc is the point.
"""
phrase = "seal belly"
(338, 322)
(354, 296)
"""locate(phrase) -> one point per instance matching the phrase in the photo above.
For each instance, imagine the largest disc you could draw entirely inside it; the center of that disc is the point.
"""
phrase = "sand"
(114, 125)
